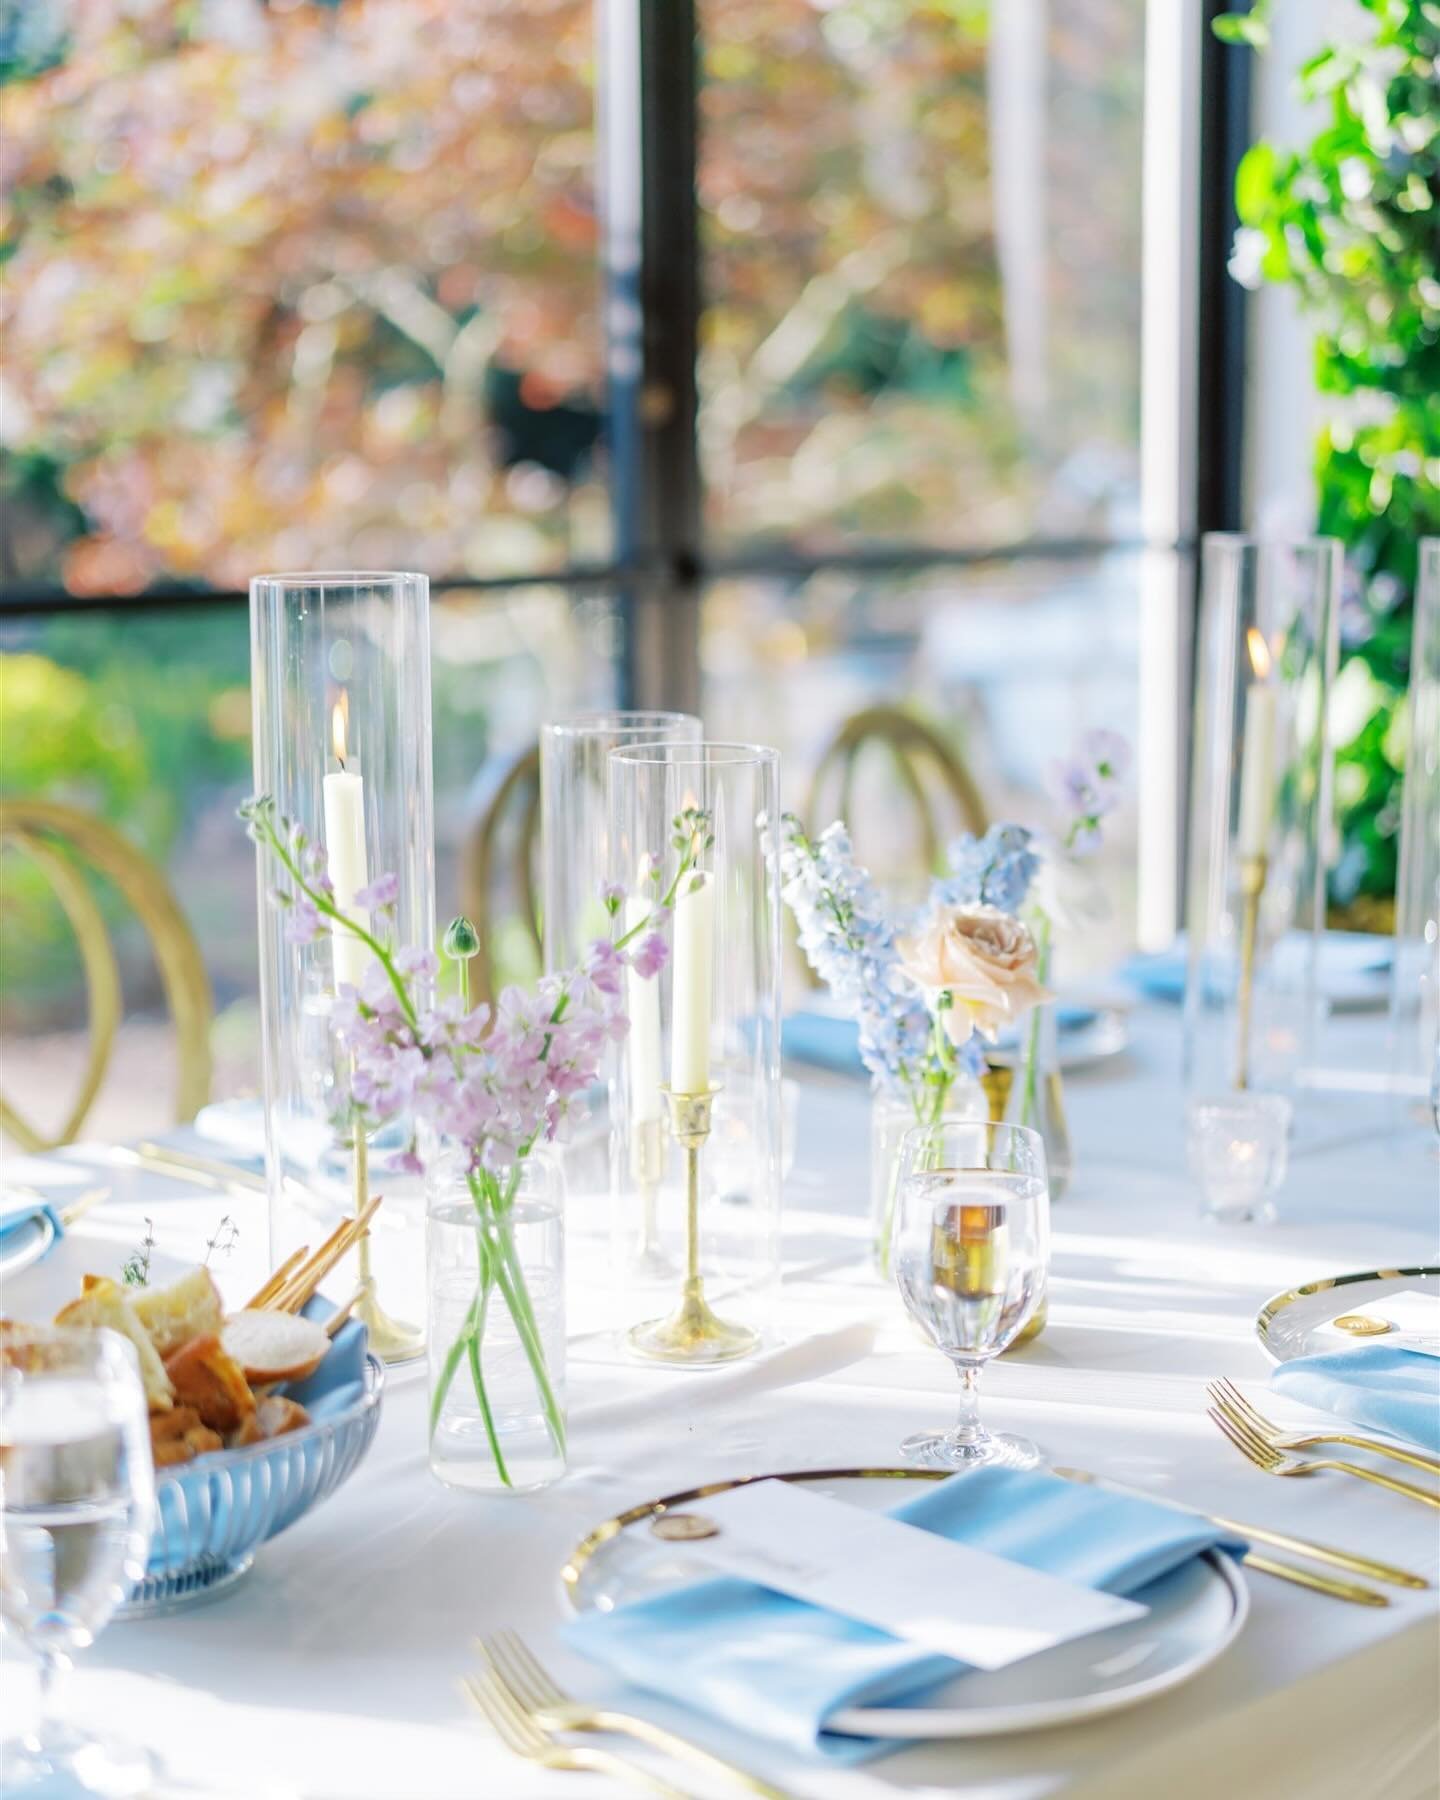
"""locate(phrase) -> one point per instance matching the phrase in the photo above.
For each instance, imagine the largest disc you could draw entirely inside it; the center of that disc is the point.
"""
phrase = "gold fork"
(1229, 1399)
(1265, 1456)
(517, 1669)
(520, 1735)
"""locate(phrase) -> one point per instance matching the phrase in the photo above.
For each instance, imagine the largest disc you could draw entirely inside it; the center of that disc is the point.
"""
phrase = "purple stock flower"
(302, 922)
(605, 966)
(383, 892)
(650, 955)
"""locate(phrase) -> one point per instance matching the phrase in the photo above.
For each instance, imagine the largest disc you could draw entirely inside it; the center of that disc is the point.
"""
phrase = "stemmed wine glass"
(969, 1247)
(77, 1498)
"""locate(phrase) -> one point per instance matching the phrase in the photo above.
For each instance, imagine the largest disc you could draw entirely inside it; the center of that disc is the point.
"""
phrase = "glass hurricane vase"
(496, 1325)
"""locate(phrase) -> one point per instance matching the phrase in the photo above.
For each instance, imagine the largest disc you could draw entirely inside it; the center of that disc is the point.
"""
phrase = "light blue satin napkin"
(1377, 1385)
(16, 1213)
(778, 1668)
(826, 1041)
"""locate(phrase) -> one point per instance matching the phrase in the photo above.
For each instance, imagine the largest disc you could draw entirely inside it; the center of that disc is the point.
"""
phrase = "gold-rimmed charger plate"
(1194, 1615)
(1299, 1322)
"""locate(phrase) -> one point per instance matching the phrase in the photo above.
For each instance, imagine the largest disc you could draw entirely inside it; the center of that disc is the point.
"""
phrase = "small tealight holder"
(1239, 1148)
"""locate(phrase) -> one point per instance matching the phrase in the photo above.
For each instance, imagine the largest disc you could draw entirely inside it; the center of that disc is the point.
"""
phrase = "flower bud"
(461, 940)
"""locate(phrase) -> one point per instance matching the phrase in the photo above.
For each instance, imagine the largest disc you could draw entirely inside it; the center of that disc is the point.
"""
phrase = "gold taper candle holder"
(692, 1333)
(1252, 888)
(392, 1340)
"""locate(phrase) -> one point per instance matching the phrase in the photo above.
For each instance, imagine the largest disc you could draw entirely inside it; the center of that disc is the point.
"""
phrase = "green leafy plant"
(1351, 221)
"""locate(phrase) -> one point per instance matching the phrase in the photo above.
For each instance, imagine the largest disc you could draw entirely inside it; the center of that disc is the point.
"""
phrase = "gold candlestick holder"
(692, 1333)
(392, 1340)
(1253, 869)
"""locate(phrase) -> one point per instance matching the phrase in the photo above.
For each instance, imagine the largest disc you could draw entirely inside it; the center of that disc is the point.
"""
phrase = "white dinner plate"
(1194, 1615)
(25, 1244)
(1297, 1322)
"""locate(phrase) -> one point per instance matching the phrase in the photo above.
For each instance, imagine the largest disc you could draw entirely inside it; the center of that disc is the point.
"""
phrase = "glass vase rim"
(618, 721)
(706, 753)
(991, 1127)
(337, 578)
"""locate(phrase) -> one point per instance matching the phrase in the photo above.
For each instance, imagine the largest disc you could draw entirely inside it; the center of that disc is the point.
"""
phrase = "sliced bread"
(274, 1346)
(187, 1308)
(104, 1305)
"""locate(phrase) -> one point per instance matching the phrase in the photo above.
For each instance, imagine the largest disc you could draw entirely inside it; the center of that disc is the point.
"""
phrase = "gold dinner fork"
(522, 1737)
(1230, 1400)
(516, 1668)
(1265, 1456)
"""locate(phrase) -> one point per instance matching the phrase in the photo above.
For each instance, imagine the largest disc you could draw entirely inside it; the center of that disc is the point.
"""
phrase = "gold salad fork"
(522, 1737)
(516, 1668)
(1229, 1399)
(1265, 1456)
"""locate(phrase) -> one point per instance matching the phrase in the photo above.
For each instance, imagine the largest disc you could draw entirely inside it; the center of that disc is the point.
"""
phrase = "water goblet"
(970, 1246)
(77, 1498)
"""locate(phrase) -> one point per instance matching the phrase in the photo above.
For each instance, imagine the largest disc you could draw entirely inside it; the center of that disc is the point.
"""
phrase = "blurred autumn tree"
(273, 274)
(305, 283)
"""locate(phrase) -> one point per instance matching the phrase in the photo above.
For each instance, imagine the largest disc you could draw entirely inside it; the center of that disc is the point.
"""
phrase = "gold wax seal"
(683, 1527)
(1359, 1326)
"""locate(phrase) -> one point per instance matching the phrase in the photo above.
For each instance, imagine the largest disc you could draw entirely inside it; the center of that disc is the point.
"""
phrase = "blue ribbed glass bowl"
(213, 1514)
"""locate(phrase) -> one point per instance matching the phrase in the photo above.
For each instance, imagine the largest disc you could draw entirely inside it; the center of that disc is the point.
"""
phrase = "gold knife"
(1262, 1534)
(1320, 1584)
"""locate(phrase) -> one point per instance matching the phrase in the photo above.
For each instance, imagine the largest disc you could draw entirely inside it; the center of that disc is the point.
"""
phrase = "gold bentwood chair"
(926, 763)
(63, 843)
(512, 812)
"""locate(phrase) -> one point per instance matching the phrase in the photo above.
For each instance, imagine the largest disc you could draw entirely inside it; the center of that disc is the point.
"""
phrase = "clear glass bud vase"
(1037, 1093)
(496, 1325)
(891, 1116)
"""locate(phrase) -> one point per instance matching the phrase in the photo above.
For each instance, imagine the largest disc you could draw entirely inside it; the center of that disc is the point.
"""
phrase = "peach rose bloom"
(985, 961)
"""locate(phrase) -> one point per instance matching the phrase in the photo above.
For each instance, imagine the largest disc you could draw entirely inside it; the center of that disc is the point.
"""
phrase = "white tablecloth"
(331, 1671)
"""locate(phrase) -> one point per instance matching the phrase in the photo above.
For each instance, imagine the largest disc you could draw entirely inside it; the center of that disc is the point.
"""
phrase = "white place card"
(914, 1584)
(1415, 1317)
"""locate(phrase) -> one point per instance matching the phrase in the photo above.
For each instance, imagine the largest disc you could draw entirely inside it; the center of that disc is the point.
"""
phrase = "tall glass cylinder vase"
(574, 802)
(1260, 812)
(696, 1127)
(340, 673)
(1415, 972)
(575, 866)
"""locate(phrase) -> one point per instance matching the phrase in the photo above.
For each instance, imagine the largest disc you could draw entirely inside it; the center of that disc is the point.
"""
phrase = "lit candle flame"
(339, 718)
(1259, 653)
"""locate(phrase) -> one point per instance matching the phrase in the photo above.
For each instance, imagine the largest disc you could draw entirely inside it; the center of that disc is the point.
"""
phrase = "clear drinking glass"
(970, 1249)
(77, 1501)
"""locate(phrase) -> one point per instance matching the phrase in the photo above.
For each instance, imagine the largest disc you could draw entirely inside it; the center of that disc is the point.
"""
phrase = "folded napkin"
(1352, 964)
(1377, 1385)
(16, 1213)
(825, 1041)
(779, 1668)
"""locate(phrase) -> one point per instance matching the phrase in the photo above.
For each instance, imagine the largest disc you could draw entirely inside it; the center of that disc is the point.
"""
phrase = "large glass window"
(921, 228)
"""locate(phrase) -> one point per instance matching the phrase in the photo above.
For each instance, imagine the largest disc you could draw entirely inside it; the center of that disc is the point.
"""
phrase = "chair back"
(923, 760)
(64, 843)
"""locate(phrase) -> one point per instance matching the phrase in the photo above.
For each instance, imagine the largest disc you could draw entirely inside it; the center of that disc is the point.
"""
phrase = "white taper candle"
(692, 985)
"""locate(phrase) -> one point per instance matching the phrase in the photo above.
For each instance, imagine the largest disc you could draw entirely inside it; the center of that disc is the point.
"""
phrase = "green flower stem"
(323, 904)
(1032, 1037)
(474, 1341)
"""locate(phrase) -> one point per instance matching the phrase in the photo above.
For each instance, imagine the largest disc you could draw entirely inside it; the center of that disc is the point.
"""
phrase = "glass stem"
(54, 1666)
(967, 1428)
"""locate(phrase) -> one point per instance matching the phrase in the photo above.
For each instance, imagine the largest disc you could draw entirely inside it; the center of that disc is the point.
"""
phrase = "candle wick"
(341, 760)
